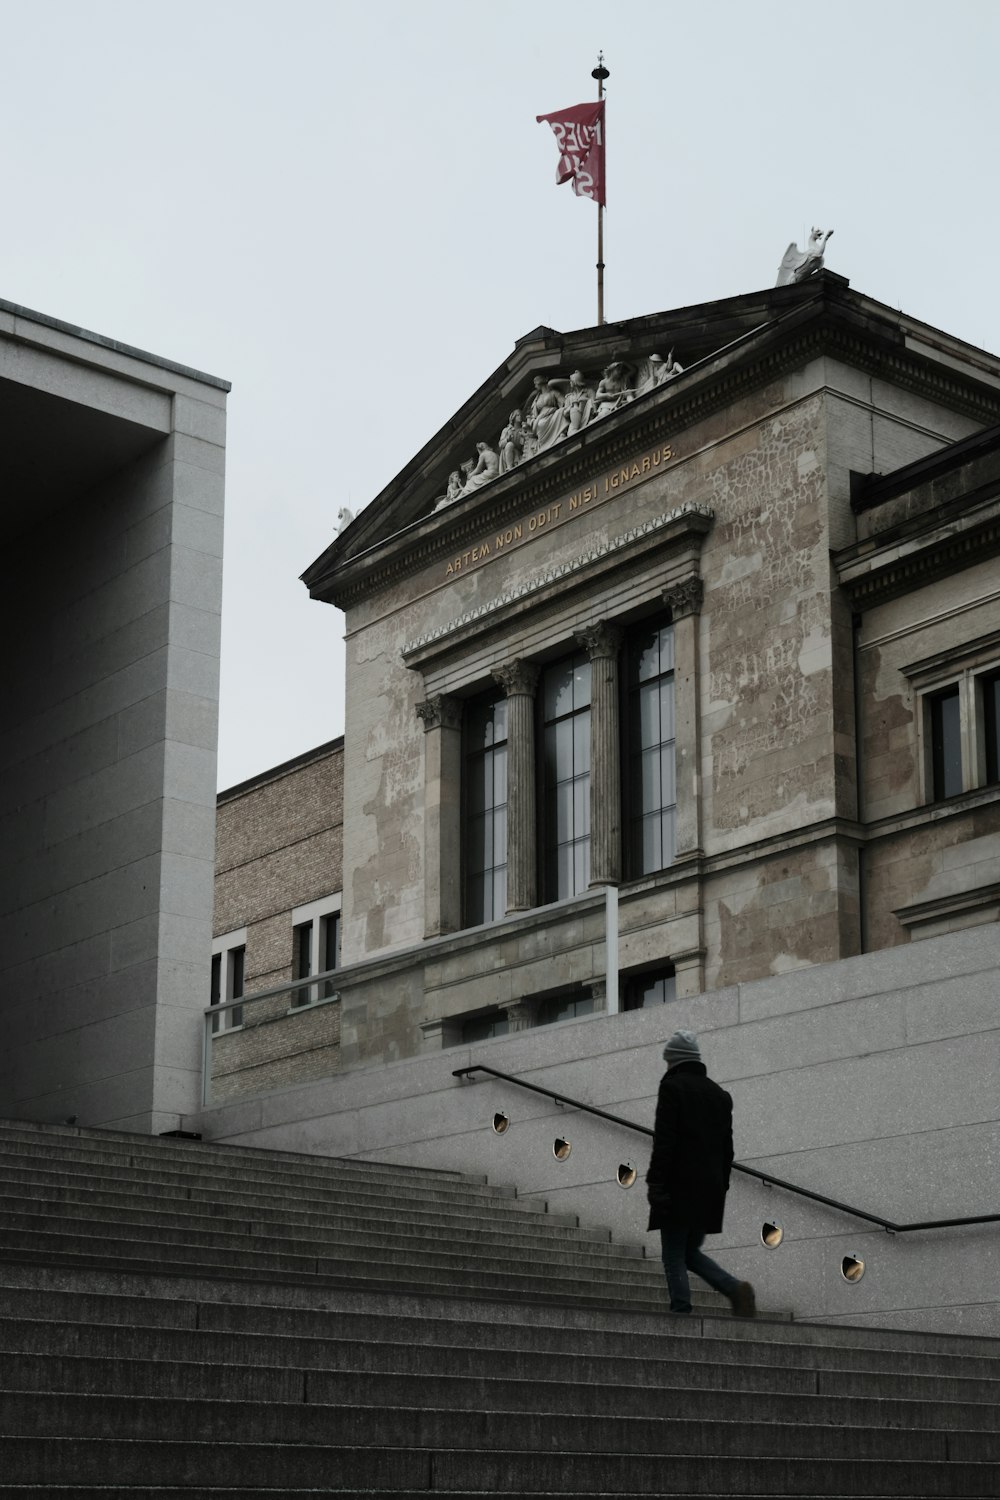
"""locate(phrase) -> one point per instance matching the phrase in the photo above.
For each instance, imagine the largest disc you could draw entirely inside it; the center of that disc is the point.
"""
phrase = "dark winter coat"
(688, 1174)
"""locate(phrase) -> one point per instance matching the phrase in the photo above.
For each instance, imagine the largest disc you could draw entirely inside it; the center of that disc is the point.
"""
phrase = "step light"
(626, 1174)
(561, 1148)
(500, 1122)
(771, 1234)
(852, 1268)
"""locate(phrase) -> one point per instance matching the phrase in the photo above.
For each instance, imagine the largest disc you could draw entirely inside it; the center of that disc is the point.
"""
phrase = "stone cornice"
(687, 525)
(883, 573)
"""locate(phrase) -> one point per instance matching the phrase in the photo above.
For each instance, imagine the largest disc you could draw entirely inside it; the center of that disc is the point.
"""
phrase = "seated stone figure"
(550, 418)
(512, 443)
(614, 390)
(486, 468)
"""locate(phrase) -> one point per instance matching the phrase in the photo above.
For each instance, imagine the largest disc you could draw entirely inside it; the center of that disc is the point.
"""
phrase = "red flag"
(579, 131)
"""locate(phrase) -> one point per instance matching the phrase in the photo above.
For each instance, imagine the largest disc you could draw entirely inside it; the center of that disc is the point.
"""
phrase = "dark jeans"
(682, 1253)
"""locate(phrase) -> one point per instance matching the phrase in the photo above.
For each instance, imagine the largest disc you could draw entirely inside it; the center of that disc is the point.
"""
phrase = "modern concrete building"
(111, 518)
(673, 680)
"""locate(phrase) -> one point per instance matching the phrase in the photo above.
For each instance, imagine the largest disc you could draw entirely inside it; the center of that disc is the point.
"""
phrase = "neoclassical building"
(673, 663)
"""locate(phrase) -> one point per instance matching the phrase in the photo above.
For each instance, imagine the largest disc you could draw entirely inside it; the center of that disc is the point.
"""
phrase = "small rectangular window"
(484, 1028)
(331, 951)
(302, 965)
(643, 991)
(563, 1008)
(944, 710)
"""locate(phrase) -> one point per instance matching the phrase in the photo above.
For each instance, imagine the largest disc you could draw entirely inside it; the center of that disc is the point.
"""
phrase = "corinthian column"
(519, 680)
(602, 643)
(442, 721)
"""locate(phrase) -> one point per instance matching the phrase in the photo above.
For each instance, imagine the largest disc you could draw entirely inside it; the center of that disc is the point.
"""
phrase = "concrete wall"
(112, 524)
(871, 1080)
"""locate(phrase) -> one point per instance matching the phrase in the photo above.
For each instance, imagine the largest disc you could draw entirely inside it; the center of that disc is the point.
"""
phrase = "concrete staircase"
(181, 1319)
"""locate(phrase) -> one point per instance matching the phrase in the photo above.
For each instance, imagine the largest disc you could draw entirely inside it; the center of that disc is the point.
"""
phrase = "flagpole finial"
(600, 72)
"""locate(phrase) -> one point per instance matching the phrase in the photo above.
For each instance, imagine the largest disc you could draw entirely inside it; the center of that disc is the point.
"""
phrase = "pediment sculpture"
(558, 407)
(797, 264)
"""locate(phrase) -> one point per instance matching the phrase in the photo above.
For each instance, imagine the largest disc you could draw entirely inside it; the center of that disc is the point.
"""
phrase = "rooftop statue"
(658, 372)
(798, 264)
(344, 519)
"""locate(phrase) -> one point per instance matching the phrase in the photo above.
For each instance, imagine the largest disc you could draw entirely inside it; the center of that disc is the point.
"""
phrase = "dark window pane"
(646, 990)
(991, 724)
(484, 773)
(215, 994)
(649, 714)
(302, 961)
(482, 1028)
(500, 837)
(558, 691)
(581, 866)
(581, 743)
(581, 807)
(581, 682)
(667, 649)
(645, 655)
(946, 744)
(237, 959)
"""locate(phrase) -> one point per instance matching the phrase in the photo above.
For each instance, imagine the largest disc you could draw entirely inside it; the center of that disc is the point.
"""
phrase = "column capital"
(440, 712)
(601, 639)
(519, 1015)
(517, 677)
(684, 598)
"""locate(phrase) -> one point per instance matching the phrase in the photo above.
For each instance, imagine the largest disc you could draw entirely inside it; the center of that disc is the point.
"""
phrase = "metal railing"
(230, 1017)
(767, 1178)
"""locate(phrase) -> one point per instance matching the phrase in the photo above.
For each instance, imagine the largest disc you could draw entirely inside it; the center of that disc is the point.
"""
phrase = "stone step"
(82, 1204)
(696, 1391)
(88, 1461)
(82, 1162)
(141, 1419)
(575, 1292)
(37, 1187)
(529, 1212)
(701, 1364)
(162, 1151)
(250, 1247)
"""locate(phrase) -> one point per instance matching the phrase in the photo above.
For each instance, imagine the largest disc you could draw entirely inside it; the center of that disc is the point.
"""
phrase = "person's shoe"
(743, 1300)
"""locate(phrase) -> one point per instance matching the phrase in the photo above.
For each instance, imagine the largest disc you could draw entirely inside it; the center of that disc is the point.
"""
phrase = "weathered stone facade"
(807, 516)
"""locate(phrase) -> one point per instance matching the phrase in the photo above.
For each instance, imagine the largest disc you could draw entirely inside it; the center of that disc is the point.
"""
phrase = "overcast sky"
(348, 210)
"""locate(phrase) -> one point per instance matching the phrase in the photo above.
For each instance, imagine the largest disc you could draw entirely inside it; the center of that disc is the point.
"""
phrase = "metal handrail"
(767, 1178)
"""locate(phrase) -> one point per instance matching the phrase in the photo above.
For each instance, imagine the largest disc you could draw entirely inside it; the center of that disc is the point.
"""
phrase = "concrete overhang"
(75, 409)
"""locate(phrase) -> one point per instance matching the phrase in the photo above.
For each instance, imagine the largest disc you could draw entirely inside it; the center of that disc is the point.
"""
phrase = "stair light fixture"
(771, 1234)
(500, 1122)
(561, 1148)
(626, 1174)
(852, 1268)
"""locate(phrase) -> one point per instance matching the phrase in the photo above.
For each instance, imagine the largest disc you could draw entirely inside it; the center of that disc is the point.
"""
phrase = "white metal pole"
(611, 947)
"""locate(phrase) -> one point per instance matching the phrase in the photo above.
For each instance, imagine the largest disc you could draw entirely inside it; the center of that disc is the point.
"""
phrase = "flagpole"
(600, 73)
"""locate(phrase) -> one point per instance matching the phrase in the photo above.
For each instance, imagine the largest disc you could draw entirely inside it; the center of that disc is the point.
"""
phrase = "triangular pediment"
(558, 391)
